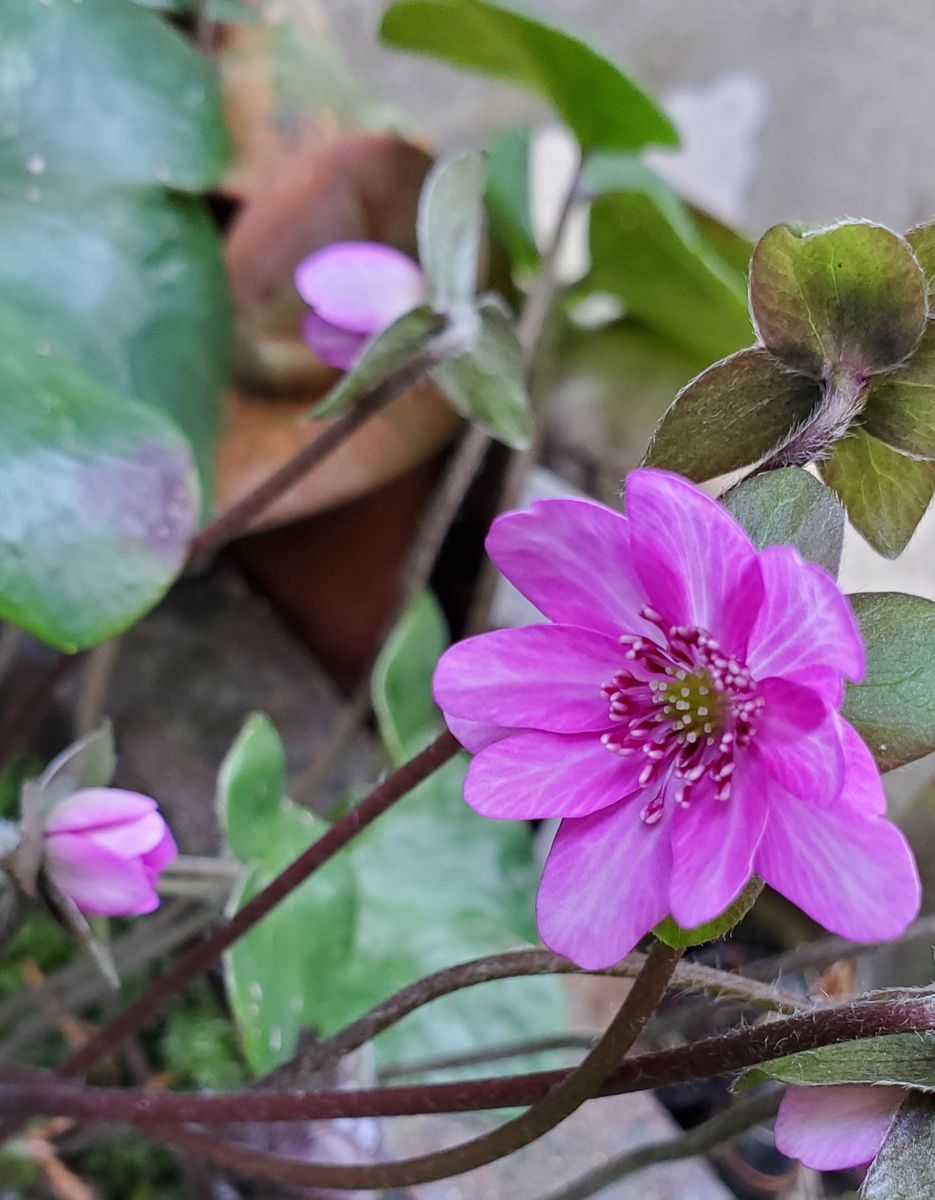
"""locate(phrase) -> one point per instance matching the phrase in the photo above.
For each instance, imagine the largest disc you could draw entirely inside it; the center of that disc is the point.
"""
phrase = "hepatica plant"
(680, 715)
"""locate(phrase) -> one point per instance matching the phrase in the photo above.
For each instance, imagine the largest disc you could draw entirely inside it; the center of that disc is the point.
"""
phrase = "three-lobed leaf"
(602, 107)
(100, 498)
(852, 297)
(893, 707)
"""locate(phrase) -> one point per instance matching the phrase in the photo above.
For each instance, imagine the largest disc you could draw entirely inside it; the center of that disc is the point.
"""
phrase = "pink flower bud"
(355, 290)
(105, 849)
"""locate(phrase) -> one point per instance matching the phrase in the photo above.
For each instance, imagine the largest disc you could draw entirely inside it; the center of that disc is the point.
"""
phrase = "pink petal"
(838, 1126)
(571, 558)
(605, 884)
(132, 839)
(696, 563)
(359, 286)
(714, 843)
(98, 881)
(532, 774)
(804, 622)
(538, 677)
(156, 860)
(98, 808)
(337, 347)
(863, 787)
(475, 736)
(854, 875)
(798, 738)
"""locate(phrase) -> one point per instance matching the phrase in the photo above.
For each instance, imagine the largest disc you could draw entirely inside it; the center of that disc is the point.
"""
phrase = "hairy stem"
(27, 1093)
(575, 1088)
(201, 956)
(842, 399)
(712, 1133)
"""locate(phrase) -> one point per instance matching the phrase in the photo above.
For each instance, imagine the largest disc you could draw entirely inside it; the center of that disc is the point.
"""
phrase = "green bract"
(904, 1168)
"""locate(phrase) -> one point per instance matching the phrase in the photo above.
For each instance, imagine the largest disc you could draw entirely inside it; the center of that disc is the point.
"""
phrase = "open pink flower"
(836, 1126)
(355, 290)
(680, 716)
(105, 849)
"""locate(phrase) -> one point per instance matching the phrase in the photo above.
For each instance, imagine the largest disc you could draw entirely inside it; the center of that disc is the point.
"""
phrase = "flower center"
(684, 707)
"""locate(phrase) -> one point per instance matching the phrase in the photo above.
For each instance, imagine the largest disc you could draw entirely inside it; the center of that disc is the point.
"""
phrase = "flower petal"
(863, 787)
(98, 881)
(156, 860)
(714, 843)
(798, 738)
(854, 875)
(532, 774)
(360, 286)
(696, 563)
(838, 1126)
(605, 884)
(475, 736)
(805, 620)
(571, 558)
(98, 808)
(132, 839)
(337, 347)
(537, 677)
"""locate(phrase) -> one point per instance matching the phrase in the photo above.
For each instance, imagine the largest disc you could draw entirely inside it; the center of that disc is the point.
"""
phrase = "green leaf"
(450, 225)
(904, 1168)
(907, 1059)
(281, 973)
(893, 708)
(603, 108)
(647, 251)
(790, 507)
(100, 499)
(106, 93)
(851, 296)
(400, 688)
(901, 408)
(681, 939)
(508, 199)
(486, 384)
(251, 783)
(130, 285)
(390, 350)
(922, 240)
(732, 414)
(885, 493)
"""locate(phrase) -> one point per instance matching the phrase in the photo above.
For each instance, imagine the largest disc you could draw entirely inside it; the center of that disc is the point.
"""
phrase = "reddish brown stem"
(201, 956)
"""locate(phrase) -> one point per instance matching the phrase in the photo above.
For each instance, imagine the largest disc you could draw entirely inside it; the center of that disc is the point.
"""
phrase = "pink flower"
(355, 290)
(680, 716)
(105, 849)
(832, 1127)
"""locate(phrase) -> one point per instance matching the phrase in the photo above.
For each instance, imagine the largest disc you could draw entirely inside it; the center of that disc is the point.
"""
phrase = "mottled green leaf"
(647, 251)
(922, 240)
(900, 1058)
(450, 225)
(731, 415)
(904, 1168)
(130, 285)
(603, 108)
(487, 384)
(402, 697)
(789, 507)
(385, 354)
(508, 199)
(251, 783)
(99, 498)
(104, 92)
(901, 407)
(885, 493)
(893, 708)
(851, 296)
(681, 939)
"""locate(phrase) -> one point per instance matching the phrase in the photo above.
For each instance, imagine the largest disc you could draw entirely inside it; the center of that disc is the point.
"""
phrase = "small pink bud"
(355, 290)
(105, 849)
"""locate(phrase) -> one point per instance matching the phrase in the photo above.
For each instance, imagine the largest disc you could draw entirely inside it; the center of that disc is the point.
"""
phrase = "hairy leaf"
(901, 1058)
(904, 1168)
(901, 407)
